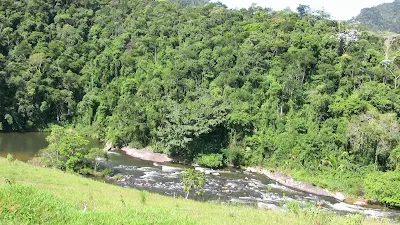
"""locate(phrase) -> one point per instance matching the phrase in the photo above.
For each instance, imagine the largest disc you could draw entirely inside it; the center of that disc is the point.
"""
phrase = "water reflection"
(23, 146)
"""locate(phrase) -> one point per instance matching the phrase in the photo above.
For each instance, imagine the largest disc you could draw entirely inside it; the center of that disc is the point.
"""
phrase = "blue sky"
(339, 9)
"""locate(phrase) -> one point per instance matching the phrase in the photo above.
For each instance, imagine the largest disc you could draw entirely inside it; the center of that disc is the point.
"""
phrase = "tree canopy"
(285, 89)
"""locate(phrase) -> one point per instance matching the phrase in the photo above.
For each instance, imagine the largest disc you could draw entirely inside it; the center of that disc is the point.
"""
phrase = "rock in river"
(170, 169)
(360, 203)
(339, 196)
(200, 169)
(262, 205)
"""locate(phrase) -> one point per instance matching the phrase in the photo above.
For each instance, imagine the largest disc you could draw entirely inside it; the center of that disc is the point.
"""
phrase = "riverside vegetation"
(68, 151)
(292, 91)
(35, 195)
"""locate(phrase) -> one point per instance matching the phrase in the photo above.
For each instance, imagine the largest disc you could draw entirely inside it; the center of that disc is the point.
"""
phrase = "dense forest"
(384, 17)
(283, 89)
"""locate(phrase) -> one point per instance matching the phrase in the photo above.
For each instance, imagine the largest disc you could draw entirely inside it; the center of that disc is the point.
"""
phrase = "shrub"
(234, 156)
(107, 172)
(85, 171)
(293, 206)
(383, 187)
(211, 161)
(10, 157)
(193, 180)
(69, 151)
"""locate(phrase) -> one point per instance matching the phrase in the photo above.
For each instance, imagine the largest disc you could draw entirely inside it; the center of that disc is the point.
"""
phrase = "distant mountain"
(384, 17)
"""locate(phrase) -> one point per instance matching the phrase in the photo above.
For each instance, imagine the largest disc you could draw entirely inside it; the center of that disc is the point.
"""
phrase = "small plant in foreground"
(10, 157)
(143, 197)
(293, 206)
(123, 201)
(8, 181)
(192, 179)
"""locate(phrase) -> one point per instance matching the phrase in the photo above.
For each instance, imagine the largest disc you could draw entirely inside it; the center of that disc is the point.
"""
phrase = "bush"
(85, 171)
(383, 187)
(234, 156)
(107, 172)
(211, 161)
(293, 206)
(193, 180)
(10, 157)
(69, 151)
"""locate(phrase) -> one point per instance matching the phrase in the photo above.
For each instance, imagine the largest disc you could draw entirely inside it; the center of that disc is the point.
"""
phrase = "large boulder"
(146, 154)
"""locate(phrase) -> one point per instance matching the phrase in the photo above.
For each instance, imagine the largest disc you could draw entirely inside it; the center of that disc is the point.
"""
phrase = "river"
(232, 186)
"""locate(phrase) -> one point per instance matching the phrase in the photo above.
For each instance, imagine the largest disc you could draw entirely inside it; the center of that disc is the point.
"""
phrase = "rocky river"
(227, 186)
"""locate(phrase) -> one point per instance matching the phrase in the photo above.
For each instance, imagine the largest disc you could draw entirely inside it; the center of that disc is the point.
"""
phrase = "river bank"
(24, 147)
(227, 186)
(144, 153)
(243, 188)
(72, 199)
(290, 182)
(281, 178)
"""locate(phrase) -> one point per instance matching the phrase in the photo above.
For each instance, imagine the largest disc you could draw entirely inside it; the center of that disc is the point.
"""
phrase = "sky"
(339, 9)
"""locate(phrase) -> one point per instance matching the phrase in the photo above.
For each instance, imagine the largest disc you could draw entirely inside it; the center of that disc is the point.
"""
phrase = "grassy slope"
(40, 195)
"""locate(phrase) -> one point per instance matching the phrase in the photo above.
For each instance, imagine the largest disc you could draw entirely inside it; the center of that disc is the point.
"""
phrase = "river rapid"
(231, 186)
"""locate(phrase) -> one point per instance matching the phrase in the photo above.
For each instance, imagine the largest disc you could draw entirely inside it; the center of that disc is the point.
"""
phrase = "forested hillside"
(384, 17)
(253, 87)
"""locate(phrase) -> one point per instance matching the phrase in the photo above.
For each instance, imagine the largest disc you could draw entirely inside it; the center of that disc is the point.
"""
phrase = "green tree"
(374, 135)
(193, 180)
(68, 151)
(394, 158)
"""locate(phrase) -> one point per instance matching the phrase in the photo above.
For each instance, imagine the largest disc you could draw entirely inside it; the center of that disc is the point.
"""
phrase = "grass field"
(34, 195)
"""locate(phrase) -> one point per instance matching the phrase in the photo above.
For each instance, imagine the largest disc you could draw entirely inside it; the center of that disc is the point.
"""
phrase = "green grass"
(34, 195)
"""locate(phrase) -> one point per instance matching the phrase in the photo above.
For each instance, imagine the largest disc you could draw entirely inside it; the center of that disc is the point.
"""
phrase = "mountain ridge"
(383, 17)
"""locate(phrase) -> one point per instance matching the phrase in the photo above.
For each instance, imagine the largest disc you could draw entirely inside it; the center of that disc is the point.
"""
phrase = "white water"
(232, 186)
